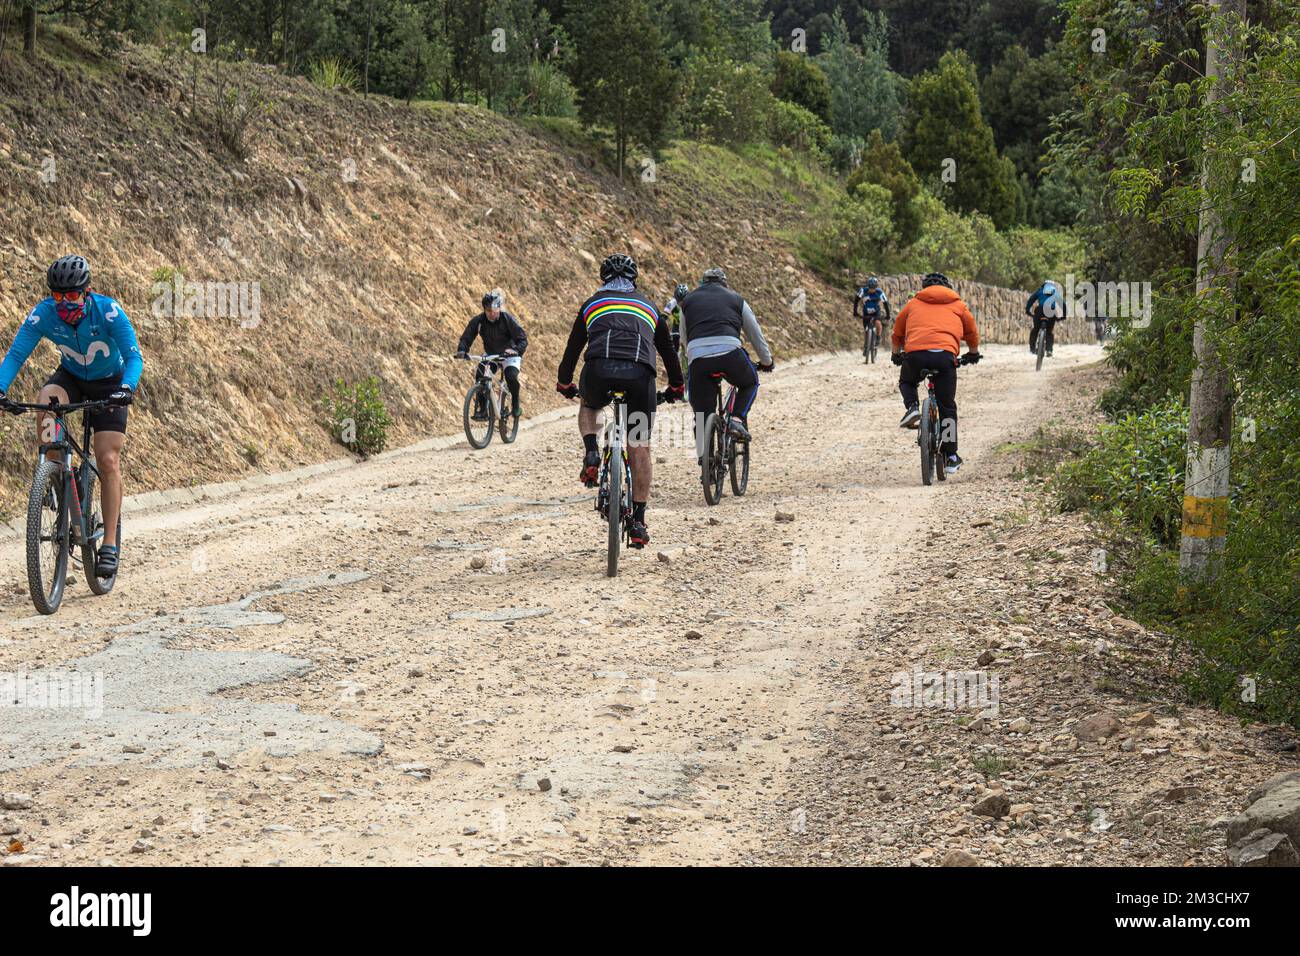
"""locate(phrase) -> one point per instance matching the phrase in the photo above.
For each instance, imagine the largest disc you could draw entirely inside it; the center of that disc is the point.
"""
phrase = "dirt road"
(315, 673)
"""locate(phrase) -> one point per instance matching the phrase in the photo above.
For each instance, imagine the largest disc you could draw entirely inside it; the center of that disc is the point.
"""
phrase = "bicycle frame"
(74, 478)
(496, 378)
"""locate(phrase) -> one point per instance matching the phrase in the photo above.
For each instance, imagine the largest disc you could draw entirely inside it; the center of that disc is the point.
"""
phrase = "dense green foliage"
(1141, 126)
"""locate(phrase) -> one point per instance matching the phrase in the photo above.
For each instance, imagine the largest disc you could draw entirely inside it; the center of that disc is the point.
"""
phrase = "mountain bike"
(485, 403)
(929, 433)
(65, 517)
(614, 490)
(723, 454)
(871, 340)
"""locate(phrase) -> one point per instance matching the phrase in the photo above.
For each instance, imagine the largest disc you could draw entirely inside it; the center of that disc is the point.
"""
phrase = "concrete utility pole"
(1209, 431)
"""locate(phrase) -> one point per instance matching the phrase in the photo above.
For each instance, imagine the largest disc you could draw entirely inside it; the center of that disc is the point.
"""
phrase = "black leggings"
(512, 379)
(945, 388)
(1039, 323)
(736, 368)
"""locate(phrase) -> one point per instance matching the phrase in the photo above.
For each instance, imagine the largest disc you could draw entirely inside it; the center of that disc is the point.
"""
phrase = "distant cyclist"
(713, 318)
(875, 306)
(673, 309)
(502, 335)
(927, 335)
(621, 330)
(1046, 306)
(101, 360)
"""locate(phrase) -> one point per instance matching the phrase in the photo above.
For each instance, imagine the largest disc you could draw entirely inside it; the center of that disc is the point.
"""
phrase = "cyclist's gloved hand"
(6, 405)
(971, 358)
(674, 392)
(462, 355)
(896, 358)
(769, 367)
(123, 396)
(568, 391)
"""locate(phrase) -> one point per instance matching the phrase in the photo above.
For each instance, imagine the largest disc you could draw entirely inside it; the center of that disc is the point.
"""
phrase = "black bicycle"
(614, 489)
(65, 517)
(929, 433)
(723, 454)
(485, 403)
(870, 340)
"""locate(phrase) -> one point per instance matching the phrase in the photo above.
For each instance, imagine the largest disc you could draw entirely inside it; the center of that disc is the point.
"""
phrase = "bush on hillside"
(792, 125)
(852, 235)
(357, 417)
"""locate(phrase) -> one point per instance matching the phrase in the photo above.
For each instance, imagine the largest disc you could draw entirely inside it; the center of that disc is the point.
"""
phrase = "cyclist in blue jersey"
(100, 360)
(1045, 306)
(875, 306)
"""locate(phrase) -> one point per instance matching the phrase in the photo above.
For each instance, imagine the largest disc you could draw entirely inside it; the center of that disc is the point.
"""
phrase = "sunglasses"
(68, 296)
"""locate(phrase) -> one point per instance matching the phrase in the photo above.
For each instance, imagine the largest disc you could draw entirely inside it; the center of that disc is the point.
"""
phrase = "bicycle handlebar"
(55, 408)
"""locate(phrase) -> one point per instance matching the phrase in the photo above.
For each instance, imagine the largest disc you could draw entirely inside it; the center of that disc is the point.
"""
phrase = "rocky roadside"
(1064, 739)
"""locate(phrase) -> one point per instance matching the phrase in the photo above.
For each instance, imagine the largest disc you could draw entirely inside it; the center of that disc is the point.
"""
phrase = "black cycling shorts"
(93, 390)
(602, 377)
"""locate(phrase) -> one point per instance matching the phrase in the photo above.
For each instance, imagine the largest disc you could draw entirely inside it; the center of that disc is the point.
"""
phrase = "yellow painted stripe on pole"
(1205, 517)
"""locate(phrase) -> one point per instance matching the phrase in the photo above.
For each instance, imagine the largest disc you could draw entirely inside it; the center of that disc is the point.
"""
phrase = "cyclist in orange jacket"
(928, 333)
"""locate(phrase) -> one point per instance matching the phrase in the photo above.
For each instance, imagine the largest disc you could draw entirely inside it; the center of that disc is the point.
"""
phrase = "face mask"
(71, 312)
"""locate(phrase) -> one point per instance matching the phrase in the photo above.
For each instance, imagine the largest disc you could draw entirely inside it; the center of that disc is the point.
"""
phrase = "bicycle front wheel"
(1040, 349)
(478, 399)
(47, 537)
(873, 345)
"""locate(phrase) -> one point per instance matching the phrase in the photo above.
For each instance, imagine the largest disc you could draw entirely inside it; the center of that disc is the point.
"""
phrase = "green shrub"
(792, 125)
(331, 73)
(851, 235)
(1135, 474)
(356, 416)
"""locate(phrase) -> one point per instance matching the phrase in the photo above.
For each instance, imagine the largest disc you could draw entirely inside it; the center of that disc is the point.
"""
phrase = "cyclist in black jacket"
(621, 330)
(502, 335)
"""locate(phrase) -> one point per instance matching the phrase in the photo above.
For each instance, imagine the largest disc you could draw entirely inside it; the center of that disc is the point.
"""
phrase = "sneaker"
(590, 474)
(951, 464)
(516, 411)
(638, 535)
(911, 418)
(106, 565)
(738, 430)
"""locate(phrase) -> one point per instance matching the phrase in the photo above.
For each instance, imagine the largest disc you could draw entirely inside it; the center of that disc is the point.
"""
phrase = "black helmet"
(618, 266)
(680, 292)
(492, 300)
(69, 274)
(935, 278)
(873, 283)
(715, 275)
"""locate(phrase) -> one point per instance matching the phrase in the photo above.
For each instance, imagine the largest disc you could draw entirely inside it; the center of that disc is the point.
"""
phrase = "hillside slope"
(375, 272)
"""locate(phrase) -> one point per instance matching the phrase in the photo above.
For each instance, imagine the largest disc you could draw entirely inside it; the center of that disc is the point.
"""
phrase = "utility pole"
(1209, 429)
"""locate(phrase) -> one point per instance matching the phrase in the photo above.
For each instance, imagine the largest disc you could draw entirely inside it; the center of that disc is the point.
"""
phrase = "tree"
(1020, 95)
(799, 80)
(947, 141)
(865, 94)
(883, 165)
(622, 73)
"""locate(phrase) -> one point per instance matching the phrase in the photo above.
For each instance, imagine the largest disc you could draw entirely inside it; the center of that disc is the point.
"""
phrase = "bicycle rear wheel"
(925, 438)
(615, 507)
(479, 433)
(47, 537)
(713, 464)
(92, 505)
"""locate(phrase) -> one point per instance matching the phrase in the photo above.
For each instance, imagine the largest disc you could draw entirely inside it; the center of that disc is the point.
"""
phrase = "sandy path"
(658, 748)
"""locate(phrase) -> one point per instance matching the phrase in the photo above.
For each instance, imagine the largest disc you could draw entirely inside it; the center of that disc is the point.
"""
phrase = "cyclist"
(502, 335)
(875, 306)
(1046, 306)
(713, 317)
(621, 330)
(673, 310)
(101, 360)
(927, 335)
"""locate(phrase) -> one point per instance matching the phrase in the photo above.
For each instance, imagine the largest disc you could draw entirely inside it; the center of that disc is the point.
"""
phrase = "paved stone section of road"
(529, 709)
